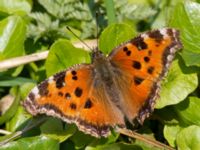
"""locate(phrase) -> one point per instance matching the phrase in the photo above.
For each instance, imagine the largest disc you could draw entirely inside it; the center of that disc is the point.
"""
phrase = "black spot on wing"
(139, 43)
(42, 87)
(125, 49)
(88, 103)
(78, 92)
(74, 77)
(67, 96)
(128, 53)
(136, 65)
(60, 94)
(59, 78)
(73, 106)
(73, 72)
(156, 35)
(31, 96)
(146, 59)
(138, 80)
(149, 52)
(150, 70)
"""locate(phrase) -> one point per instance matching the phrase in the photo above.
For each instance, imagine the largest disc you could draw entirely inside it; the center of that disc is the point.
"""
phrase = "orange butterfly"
(100, 95)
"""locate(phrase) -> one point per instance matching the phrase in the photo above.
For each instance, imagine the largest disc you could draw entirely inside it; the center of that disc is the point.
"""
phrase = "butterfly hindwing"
(143, 62)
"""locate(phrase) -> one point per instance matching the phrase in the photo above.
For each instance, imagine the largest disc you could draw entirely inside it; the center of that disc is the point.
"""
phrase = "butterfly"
(123, 85)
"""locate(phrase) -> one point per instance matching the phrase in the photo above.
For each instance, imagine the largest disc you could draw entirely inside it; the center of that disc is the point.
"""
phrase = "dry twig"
(17, 61)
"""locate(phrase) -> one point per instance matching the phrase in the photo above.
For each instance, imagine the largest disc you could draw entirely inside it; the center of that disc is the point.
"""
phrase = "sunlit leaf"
(56, 129)
(62, 55)
(114, 35)
(11, 110)
(186, 18)
(177, 85)
(21, 7)
(189, 138)
(32, 143)
(12, 36)
(188, 110)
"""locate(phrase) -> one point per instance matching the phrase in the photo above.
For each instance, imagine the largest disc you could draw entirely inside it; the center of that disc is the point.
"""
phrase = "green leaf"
(32, 143)
(53, 128)
(189, 138)
(177, 85)
(114, 35)
(81, 139)
(12, 35)
(17, 120)
(170, 132)
(20, 7)
(11, 110)
(26, 88)
(188, 110)
(62, 55)
(115, 146)
(14, 81)
(186, 18)
(110, 11)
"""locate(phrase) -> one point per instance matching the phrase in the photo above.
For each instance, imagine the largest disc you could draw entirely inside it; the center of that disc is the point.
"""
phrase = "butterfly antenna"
(97, 28)
(68, 28)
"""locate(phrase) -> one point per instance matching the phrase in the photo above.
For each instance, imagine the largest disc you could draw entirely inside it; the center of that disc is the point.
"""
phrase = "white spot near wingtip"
(145, 36)
(164, 32)
(170, 57)
(50, 80)
(35, 91)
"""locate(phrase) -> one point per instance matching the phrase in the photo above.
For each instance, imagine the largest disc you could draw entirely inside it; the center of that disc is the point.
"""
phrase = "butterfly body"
(100, 95)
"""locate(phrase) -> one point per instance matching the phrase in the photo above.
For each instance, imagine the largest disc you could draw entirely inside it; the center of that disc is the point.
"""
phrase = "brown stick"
(17, 61)
(144, 139)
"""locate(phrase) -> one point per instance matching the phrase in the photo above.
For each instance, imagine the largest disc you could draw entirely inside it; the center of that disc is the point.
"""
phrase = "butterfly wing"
(143, 62)
(70, 95)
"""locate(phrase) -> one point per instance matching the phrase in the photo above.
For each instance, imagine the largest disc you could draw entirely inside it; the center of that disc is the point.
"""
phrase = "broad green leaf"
(25, 89)
(115, 146)
(11, 110)
(81, 139)
(188, 110)
(186, 18)
(17, 121)
(165, 9)
(54, 129)
(177, 85)
(20, 7)
(105, 141)
(32, 143)
(62, 55)
(68, 145)
(167, 115)
(12, 36)
(114, 35)
(170, 132)
(13, 81)
(189, 138)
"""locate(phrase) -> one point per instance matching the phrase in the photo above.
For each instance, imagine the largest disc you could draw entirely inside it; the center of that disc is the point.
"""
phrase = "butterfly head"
(97, 55)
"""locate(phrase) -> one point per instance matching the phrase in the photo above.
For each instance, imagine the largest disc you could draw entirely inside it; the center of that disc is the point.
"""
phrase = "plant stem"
(110, 11)
(33, 123)
(17, 61)
(144, 139)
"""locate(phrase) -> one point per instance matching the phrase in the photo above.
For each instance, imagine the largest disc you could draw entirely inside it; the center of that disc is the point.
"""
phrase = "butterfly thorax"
(102, 66)
(104, 76)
